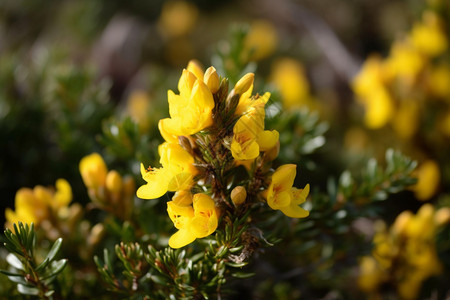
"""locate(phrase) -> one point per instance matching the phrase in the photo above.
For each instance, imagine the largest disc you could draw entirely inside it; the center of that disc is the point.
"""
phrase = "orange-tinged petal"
(284, 176)
(279, 200)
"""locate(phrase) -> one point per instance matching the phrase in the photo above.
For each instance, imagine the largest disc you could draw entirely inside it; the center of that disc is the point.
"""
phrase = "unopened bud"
(96, 234)
(238, 195)
(195, 68)
(93, 170)
(114, 181)
(442, 216)
(244, 83)
(211, 79)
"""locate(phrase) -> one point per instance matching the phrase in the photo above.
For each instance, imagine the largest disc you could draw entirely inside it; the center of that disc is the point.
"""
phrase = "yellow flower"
(192, 222)
(282, 196)
(288, 75)
(261, 40)
(177, 18)
(249, 136)
(35, 205)
(379, 108)
(438, 81)
(190, 111)
(244, 88)
(428, 37)
(404, 62)
(369, 78)
(175, 174)
(370, 274)
(138, 105)
(407, 119)
(428, 180)
(93, 170)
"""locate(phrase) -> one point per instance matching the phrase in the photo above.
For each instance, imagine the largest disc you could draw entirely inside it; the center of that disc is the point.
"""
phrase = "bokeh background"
(71, 72)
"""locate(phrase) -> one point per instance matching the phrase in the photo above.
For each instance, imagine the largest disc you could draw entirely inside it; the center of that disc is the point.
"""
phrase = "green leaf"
(51, 255)
(18, 279)
(56, 267)
(27, 290)
(14, 261)
(242, 275)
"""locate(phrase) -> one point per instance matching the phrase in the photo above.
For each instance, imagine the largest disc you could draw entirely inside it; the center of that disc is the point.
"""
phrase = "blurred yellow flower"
(176, 173)
(428, 37)
(428, 175)
(379, 108)
(407, 119)
(404, 256)
(261, 40)
(138, 106)
(369, 78)
(177, 18)
(289, 77)
(36, 205)
(439, 81)
(404, 62)
(192, 222)
(93, 170)
(282, 196)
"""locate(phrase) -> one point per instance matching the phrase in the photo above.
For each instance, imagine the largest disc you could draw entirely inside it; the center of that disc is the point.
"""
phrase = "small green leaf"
(51, 255)
(14, 261)
(242, 275)
(27, 290)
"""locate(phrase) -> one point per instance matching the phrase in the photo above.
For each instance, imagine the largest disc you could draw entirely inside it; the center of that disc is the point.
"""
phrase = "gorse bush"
(257, 177)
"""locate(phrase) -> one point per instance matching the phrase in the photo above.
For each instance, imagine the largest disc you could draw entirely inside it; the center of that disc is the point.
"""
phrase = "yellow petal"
(294, 211)
(181, 238)
(279, 200)
(166, 131)
(284, 176)
(195, 68)
(186, 83)
(267, 139)
(63, 194)
(93, 170)
(211, 79)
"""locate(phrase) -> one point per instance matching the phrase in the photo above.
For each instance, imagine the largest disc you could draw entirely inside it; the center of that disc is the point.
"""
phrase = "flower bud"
(238, 195)
(442, 216)
(96, 234)
(195, 68)
(114, 181)
(244, 83)
(93, 170)
(211, 79)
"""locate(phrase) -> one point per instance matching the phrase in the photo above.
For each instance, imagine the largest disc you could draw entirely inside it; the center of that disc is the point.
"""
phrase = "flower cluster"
(405, 256)
(210, 137)
(39, 204)
(396, 89)
(107, 189)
